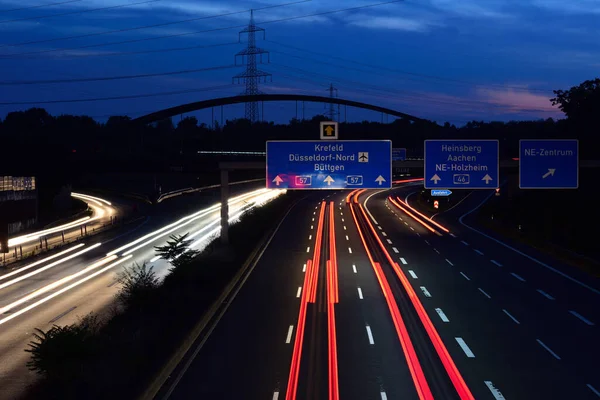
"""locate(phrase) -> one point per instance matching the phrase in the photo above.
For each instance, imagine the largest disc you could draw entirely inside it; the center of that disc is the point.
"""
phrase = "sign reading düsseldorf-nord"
(549, 164)
(461, 164)
(343, 164)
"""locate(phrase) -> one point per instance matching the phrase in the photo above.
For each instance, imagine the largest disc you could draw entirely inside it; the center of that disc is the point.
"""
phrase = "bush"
(139, 284)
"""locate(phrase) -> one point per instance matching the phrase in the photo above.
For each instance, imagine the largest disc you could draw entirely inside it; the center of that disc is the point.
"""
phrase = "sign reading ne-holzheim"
(461, 164)
(320, 165)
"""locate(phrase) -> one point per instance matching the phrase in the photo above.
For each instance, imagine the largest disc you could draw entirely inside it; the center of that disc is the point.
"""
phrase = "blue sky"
(444, 60)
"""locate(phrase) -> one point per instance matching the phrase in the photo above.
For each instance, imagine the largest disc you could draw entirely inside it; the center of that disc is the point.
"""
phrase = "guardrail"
(179, 192)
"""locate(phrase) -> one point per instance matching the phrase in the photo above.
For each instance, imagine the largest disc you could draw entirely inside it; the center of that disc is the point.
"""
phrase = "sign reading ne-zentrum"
(318, 165)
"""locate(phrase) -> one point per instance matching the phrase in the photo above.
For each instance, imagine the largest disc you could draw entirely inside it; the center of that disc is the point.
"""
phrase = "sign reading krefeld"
(461, 164)
(329, 130)
(549, 164)
(343, 164)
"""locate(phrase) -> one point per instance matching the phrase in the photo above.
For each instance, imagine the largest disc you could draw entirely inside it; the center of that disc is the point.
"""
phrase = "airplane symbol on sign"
(363, 157)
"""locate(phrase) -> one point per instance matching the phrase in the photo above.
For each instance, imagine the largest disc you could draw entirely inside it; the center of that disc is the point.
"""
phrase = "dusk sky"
(438, 59)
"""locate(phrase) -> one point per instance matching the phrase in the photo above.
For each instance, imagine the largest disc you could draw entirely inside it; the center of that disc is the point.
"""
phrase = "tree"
(580, 103)
(60, 352)
(188, 124)
(139, 283)
(177, 251)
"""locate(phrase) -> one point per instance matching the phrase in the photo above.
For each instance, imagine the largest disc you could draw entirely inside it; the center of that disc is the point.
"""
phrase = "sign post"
(461, 164)
(343, 164)
(549, 164)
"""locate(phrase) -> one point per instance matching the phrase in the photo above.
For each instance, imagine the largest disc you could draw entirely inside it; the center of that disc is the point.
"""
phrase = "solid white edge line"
(465, 348)
(581, 317)
(412, 273)
(288, 338)
(370, 335)
(443, 316)
(360, 294)
(564, 275)
(548, 349)
(495, 392)
(511, 317)
(485, 294)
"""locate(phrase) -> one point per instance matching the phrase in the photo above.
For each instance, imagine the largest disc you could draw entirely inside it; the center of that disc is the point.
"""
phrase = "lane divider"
(414, 217)
(457, 380)
(414, 366)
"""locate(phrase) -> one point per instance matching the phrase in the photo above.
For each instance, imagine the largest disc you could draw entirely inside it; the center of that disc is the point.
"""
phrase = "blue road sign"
(441, 192)
(398, 154)
(343, 164)
(549, 164)
(461, 164)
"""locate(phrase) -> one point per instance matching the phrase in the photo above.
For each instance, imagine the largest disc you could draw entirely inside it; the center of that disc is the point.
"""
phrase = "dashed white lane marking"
(354, 268)
(546, 295)
(495, 392)
(389, 241)
(341, 213)
(311, 227)
(383, 233)
(380, 228)
(304, 268)
(581, 317)
(548, 349)
(314, 212)
(308, 249)
(412, 273)
(510, 316)
(484, 293)
(449, 262)
(442, 315)
(403, 261)
(436, 250)
(453, 235)
(309, 237)
(412, 229)
(347, 238)
(465, 348)
(349, 250)
(360, 295)
(344, 227)
(518, 277)
(478, 252)
(395, 250)
(299, 291)
(418, 234)
(497, 263)
(289, 335)
(313, 220)
(465, 276)
(370, 335)
(405, 223)
(342, 219)
(275, 395)
(427, 242)
(465, 243)
(425, 291)
(593, 389)
(383, 396)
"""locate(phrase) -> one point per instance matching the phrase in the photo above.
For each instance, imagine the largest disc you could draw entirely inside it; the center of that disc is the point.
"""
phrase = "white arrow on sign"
(380, 179)
(277, 180)
(435, 178)
(329, 179)
(551, 171)
(487, 178)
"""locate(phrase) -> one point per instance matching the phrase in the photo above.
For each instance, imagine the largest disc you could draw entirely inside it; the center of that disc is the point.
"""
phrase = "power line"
(39, 6)
(112, 78)
(380, 67)
(133, 96)
(78, 12)
(148, 26)
(203, 31)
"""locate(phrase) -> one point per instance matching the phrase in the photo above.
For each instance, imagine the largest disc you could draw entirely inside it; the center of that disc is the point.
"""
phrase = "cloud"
(473, 9)
(572, 7)
(518, 101)
(392, 23)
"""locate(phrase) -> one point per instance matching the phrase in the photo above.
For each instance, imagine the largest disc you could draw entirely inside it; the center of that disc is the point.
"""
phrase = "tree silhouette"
(580, 103)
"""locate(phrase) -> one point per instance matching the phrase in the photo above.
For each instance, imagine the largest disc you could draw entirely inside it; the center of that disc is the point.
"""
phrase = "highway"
(104, 213)
(64, 285)
(354, 298)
